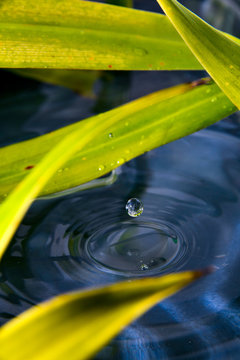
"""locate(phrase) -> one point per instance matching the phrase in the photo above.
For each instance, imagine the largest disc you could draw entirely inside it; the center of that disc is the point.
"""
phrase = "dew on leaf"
(120, 161)
(101, 167)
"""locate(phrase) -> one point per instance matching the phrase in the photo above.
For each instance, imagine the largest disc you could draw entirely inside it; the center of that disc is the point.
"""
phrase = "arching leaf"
(218, 54)
(136, 127)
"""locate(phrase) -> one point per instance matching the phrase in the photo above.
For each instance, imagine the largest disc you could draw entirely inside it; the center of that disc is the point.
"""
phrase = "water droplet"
(101, 167)
(110, 135)
(60, 170)
(140, 51)
(66, 169)
(144, 267)
(213, 99)
(134, 207)
(120, 161)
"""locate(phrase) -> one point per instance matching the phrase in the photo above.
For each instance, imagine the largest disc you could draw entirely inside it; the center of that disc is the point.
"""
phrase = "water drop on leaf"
(120, 161)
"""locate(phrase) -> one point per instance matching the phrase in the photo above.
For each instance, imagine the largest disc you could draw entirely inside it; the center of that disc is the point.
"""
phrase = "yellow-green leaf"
(73, 34)
(219, 54)
(15, 206)
(136, 127)
(75, 326)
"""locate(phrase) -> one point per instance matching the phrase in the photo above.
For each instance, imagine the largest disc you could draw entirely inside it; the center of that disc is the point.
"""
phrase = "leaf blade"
(74, 320)
(218, 54)
(169, 114)
(15, 206)
(87, 35)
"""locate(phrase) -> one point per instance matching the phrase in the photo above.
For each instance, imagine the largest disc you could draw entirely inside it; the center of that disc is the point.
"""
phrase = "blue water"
(191, 220)
(190, 190)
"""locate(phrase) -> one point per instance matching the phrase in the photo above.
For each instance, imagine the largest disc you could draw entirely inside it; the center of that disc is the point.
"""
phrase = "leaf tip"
(204, 272)
(199, 82)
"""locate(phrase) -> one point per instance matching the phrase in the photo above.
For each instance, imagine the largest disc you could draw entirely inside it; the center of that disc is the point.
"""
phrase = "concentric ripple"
(190, 191)
(130, 247)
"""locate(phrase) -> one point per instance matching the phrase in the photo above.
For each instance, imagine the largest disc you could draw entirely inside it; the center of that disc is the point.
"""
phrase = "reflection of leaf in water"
(16, 108)
(114, 90)
(77, 80)
(127, 3)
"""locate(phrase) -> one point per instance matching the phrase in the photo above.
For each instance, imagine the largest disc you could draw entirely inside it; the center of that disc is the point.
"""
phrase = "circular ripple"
(190, 192)
(131, 247)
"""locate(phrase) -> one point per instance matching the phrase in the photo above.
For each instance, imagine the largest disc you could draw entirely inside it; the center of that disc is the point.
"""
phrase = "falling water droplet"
(134, 207)
(110, 135)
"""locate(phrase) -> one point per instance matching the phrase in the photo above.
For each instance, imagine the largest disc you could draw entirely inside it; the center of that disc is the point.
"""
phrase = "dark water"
(190, 190)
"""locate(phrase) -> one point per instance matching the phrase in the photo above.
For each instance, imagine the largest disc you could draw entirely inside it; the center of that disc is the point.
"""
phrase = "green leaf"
(75, 326)
(15, 206)
(136, 127)
(73, 34)
(218, 54)
(76, 80)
